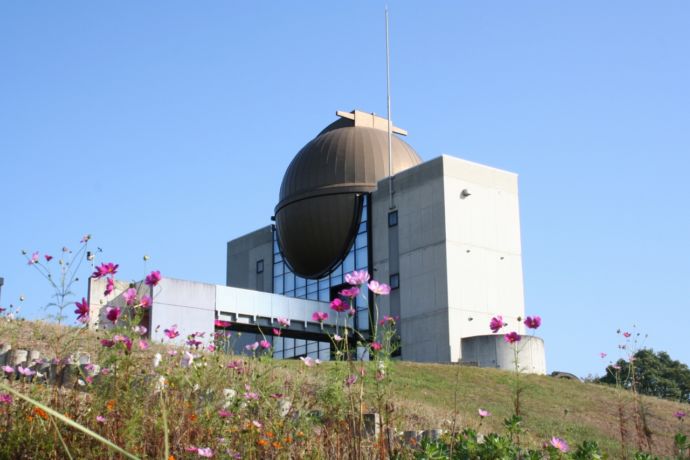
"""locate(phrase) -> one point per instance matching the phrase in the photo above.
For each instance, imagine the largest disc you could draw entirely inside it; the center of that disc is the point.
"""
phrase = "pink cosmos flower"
(153, 278)
(211, 347)
(626, 334)
(113, 313)
(221, 323)
(34, 258)
(252, 346)
(48, 258)
(512, 337)
(250, 395)
(141, 330)
(25, 371)
(351, 292)
(376, 346)
(257, 423)
(224, 413)
(172, 332)
(379, 288)
(187, 359)
(351, 312)
(205, 452)
(107, 343)
(8, 369)
(533, 322)
(309, 361)
(337, 338)
(85, 238)
(130, 295)
(124, 340)
(484, 413)
(559, 444)
(357, 278)
(319, 316)
(387, 319)
(602, 355)
(143, 344)
(339, 306)
(82, 310)
(265, 344)
(284, 322)
(496, 323)
(350, 380)
(146, 301)
(616, 367)
(277, 332)
(100, 419)
(105, 269)
(109, 286)
(680, 415)
(5, 398)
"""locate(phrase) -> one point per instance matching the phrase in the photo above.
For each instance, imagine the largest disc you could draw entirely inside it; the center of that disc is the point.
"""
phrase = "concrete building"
(444, 234)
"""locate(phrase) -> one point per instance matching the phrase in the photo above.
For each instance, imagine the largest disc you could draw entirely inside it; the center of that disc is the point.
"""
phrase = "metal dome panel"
(320, 204)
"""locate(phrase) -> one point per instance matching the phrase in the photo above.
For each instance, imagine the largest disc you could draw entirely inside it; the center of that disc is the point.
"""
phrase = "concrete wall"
(458, 257)
(421, 254)
(242, 256)
(493, 351)
(189, 305)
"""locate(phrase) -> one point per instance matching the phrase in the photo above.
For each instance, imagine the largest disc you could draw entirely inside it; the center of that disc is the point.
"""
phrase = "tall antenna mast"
(390, 124)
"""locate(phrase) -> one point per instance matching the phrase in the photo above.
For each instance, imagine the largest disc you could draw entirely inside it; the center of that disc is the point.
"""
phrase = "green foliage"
(656, 374)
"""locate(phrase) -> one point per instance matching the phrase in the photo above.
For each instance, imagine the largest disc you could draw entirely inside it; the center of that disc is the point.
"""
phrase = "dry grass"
(424, 396)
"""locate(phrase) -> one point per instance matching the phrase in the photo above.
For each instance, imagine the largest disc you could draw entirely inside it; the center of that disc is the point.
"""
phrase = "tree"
(655, 374)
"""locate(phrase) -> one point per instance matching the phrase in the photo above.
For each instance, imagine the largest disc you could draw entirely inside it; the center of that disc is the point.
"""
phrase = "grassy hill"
(426, 396)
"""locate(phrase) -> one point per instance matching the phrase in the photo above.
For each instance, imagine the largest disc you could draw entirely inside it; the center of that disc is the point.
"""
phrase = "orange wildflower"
(276, 445)
(288, 439)
(171, 457)
(110, 405)
(41, 413)
(262, 442)
(192, 417)
(269, 434)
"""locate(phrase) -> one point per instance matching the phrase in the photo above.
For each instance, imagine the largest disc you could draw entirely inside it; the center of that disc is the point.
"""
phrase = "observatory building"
(444, 234)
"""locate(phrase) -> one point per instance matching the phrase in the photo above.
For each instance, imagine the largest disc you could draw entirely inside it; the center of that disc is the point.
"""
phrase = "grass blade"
(69, 422)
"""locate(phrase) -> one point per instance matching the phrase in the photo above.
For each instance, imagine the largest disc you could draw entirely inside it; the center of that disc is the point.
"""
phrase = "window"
(260, 266)
(395, 281)
(393, 218)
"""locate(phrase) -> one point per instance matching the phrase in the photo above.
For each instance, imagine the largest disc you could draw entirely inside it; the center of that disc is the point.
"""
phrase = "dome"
(320, 202)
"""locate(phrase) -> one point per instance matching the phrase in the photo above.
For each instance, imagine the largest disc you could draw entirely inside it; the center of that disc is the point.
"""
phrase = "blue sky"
(146, 124)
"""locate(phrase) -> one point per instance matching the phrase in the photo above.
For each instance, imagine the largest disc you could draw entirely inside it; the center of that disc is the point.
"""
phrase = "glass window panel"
(325, 354)
(278, 268)
(300, 282)
(362, 228)
(323, 295)
(349, 263)
(278, 344)
(361, 260)
(361, 241)
(313, 295)
(278, 354)
(323, 283)
(363, 320)
(290, 293)
(278, 285)
(362, 300)
(301, 292)
(312, 346)
(337, 272)
(312, 287)
(289, 281)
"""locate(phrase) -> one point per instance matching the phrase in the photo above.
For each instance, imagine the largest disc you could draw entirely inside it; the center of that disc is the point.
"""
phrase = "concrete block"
(372, 424)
